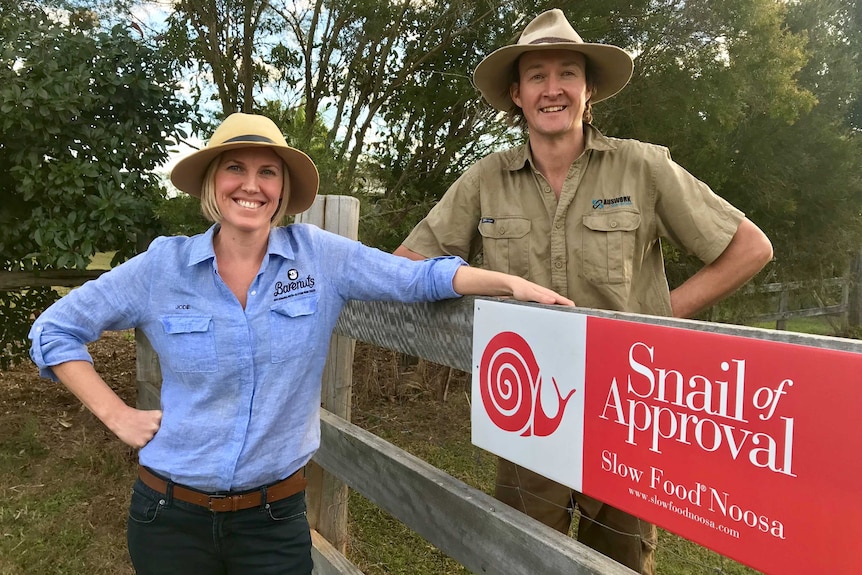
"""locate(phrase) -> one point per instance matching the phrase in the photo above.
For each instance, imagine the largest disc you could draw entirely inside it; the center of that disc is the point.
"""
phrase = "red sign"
(748, 447)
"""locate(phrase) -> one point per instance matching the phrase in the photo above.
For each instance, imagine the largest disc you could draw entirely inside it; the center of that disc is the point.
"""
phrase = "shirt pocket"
(291, 325)
(506, 244)
(608, 246)
(190, 342)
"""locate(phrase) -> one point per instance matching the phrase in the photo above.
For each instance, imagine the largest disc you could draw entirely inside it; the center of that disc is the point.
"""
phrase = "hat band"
(249, 138)
(552, 40)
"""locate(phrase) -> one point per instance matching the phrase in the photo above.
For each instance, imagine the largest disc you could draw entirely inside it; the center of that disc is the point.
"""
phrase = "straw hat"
(610, 67)
(250, 131)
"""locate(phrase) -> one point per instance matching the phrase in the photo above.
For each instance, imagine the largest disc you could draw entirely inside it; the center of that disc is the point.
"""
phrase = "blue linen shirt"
(241, 387)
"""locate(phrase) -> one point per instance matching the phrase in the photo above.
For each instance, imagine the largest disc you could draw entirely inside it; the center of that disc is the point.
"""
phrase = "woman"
(241, 318)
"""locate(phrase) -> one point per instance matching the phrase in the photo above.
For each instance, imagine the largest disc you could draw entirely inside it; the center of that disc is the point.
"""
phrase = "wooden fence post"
(854, 302)
(326, 496)
(148, 373)
(781, 322)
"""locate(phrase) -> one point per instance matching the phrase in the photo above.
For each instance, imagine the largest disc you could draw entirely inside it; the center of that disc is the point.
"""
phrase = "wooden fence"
(10, 281)
(816, 290)
(466, 524)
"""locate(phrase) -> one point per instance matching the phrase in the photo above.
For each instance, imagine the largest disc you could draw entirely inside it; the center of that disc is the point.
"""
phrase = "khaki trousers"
(610, 531)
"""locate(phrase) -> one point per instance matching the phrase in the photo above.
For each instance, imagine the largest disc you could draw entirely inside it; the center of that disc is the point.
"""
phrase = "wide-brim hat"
(610, 67)
(250, 131)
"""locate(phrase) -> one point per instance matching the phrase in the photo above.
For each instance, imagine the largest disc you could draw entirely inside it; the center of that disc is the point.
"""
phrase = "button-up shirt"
(599, 243)
(241, 386)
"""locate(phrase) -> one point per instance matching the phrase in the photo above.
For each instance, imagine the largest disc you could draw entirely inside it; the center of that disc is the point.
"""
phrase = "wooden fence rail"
(815, 288)
(466, 524)
(47, 278)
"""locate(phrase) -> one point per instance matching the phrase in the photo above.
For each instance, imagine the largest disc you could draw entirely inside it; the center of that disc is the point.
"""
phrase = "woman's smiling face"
(248, 187)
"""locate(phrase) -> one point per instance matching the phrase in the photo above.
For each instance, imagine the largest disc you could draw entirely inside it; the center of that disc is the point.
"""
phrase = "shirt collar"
(202, 246)
(593, 140)
(279, 244)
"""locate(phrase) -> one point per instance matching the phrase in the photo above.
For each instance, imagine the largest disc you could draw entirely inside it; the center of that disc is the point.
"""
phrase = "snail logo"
(510, 386)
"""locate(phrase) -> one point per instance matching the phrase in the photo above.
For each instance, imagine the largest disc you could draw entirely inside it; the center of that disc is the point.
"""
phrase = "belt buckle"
(211, 497)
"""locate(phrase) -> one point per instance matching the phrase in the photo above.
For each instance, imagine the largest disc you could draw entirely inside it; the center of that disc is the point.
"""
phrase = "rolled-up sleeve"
(50, 347)
(61, 333)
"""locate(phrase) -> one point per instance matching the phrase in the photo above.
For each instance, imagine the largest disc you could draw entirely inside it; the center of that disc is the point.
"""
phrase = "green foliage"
(85, 116)
(17, 311)
(219, 44)
(408, 78)
(757, 98)
(181, 216)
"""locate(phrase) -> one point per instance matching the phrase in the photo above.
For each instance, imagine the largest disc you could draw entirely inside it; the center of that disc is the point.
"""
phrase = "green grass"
(64, 479)
(52, 511)
(101, 261)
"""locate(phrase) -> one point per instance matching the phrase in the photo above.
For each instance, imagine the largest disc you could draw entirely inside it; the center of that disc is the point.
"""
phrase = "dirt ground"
(65, 479)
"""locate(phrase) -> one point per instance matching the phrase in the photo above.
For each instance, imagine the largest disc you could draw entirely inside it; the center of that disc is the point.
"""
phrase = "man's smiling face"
(552, 91)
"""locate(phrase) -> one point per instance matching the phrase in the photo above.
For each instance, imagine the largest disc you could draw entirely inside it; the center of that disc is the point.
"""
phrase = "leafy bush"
(86, 115)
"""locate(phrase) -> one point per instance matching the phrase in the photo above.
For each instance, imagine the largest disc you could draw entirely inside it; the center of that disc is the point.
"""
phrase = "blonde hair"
(209, 205)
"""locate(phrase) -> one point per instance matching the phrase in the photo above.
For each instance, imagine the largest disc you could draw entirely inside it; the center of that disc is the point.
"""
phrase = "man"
(584, 214)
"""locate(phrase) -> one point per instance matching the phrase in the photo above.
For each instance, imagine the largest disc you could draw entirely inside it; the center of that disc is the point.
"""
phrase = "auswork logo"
(510, 385)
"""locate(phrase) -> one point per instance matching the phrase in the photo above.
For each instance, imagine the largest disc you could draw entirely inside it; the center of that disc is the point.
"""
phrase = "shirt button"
(558, 264)
(502, 231)
(254, 292)
(613, 224)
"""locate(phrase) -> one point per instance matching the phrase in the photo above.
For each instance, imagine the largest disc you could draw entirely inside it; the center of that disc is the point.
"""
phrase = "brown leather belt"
(275, 492)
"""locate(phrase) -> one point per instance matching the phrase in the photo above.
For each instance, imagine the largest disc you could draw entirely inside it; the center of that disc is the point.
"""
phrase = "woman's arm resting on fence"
(746, 254)
(476, 281)
(133, 426)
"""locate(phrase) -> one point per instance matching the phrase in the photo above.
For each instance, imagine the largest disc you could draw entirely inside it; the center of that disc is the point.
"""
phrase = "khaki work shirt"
(599, 244)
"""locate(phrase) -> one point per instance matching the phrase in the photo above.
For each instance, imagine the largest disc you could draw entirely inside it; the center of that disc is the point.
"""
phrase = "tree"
(725, 85)
(219, 39)
(85, 116)
(731, 87)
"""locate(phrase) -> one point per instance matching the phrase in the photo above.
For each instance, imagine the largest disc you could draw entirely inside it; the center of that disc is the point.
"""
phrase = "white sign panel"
(528, 388)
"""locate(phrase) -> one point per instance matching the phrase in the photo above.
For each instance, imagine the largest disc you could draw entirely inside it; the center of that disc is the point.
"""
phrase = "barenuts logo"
(294, 286)
(510, 385)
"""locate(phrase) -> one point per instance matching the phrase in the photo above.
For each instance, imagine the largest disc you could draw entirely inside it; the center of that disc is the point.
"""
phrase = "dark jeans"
(175, 537)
